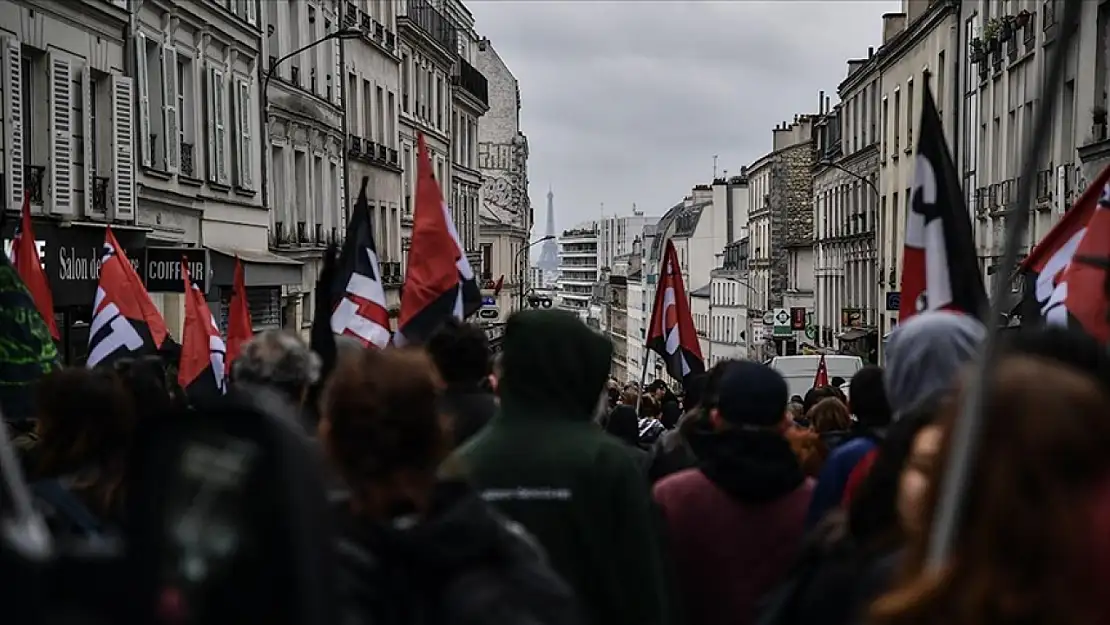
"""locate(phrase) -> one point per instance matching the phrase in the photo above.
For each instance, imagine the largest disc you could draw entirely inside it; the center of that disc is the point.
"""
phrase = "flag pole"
(643, 377)
(968, 428)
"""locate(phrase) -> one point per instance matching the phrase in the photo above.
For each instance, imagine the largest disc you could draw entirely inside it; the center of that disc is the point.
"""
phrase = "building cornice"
(893, 51)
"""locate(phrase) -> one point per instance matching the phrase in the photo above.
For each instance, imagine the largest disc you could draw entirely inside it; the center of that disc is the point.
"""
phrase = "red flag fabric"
(358, 305)
(671, 332)
(201, 368)
(940, 270)
(28, 264)
(1052, 289)
(822, 377)
(439, 282)
(239, 328)
(125, 322)
(497, 287)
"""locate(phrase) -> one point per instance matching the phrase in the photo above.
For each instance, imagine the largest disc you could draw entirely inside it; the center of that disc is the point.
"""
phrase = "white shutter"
(244, 161)
(13, 123)
(122, 203)
(169, 108)
(89, 133)
(252, 12)
(141, 77)
(219, 99)
(61, 136)
(210, 119)
(237, 118)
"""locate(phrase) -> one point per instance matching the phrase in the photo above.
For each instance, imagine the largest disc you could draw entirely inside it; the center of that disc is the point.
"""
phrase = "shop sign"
(782, 323)
(162, 268)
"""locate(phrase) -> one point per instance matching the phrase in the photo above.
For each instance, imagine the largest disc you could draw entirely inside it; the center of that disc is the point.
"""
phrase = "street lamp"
(858, 176)
(342, 35)
(523, 271)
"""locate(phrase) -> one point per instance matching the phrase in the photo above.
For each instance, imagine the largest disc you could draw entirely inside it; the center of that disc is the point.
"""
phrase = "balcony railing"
(383, 153)
(100, 193)
(187, 160)
(351, 16)
(390, 40)
(33, 176)
(354, 144)
(428, 19)
(469, 79)
(392, 156)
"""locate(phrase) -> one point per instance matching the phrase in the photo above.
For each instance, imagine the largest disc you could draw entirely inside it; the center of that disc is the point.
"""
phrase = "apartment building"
(304, 145)
(846, 203)
(429, 46)
(505, 212)
(579, 270)
(638, 316)
(372, 91)
(469, 101)
(617, 324)
(618, 235)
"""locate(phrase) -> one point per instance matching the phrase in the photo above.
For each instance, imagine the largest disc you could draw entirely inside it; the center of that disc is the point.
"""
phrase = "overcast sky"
(627, 101)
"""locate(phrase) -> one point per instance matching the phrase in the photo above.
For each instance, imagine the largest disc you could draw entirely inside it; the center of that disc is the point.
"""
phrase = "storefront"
(71, 258)
(264, 274)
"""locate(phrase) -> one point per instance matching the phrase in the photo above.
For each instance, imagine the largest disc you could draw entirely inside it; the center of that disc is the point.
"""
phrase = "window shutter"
(141, 77)
(13, 123)
(210, 93)
(122, 203)
(61, 136)
(237, 117)
(169, 108)
(89, 133)
(220, 113)
(252, 12)
(245, 161)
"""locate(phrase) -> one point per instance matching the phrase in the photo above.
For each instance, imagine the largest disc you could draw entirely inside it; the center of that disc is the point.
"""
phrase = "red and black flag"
(358, 295)
(201, 371)
(821, 378)
(439, 282)
(1066, 273)
(239, 327)
(25, 257)
(671, 333)
(125, 322)
(939, 267)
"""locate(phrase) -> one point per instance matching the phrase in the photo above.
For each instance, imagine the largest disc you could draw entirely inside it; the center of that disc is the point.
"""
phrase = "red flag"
(1053, 291)
(25, 258)
(239, 329)
(822, 377)
(439, 282)
(671, 333)
(201, 369)
(125, 321)
(939, 265)
(497, 287)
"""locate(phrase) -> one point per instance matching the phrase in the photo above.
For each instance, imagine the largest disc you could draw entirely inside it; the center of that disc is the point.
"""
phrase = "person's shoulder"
(680, 481)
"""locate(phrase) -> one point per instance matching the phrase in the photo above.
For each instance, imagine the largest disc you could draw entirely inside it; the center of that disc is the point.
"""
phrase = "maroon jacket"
(728, 553)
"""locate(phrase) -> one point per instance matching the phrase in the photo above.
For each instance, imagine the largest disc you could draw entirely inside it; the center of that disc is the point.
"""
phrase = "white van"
(799, 371)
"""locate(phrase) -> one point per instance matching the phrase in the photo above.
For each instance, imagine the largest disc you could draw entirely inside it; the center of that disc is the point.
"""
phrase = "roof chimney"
(821, 102)
(870, 51)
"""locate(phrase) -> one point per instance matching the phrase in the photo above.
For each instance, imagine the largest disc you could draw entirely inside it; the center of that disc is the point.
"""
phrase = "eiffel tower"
(549, 253)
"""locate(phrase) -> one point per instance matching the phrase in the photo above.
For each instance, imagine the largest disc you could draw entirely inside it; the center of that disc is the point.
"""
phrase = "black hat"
(752, 394)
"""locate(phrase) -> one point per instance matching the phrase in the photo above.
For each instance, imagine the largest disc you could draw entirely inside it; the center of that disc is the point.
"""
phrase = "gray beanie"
(924, 355)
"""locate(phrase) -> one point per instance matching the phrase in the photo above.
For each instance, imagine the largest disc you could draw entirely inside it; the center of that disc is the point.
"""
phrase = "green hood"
(552, 364)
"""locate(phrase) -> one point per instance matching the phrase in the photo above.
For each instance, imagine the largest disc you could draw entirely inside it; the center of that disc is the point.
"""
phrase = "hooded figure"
(736, 521)
(543, 463)
(924, 356)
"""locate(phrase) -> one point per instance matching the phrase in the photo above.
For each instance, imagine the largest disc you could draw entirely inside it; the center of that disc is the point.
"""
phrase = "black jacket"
(463, 564)
(470, 410)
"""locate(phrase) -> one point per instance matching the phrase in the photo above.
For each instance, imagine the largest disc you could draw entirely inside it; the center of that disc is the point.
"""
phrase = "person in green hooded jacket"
(545, 464)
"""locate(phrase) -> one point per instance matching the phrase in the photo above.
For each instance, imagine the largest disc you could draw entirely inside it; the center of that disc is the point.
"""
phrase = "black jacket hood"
(752, 466)
(553, 364)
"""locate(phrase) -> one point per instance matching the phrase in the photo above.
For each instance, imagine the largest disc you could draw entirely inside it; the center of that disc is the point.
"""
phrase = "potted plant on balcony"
(1022, 18)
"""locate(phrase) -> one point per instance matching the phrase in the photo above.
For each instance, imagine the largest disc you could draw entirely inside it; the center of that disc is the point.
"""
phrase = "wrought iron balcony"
(354, 144)
(469, 79)
(33, 177)
(364, 22)
(295, 75)
(302, 232)
(318, 235)
(350, 17)
(436, 25)
(390, 40)
(187, 160)
(392, 156)
(383, 153)
(100, 193)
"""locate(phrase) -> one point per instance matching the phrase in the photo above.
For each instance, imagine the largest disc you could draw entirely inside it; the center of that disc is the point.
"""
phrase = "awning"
(854, 334)
(260, 268)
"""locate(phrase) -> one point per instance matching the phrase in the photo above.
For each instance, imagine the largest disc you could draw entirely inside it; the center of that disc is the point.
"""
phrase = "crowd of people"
(532, 488)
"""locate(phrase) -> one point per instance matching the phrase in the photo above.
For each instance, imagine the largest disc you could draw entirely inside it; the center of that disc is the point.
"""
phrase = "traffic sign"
(769, 318)
(782, 323)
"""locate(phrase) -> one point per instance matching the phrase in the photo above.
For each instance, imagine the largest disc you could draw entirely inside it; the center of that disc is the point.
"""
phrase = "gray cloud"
(628, 101)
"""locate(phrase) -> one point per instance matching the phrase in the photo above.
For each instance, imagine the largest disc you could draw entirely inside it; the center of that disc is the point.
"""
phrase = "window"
(186, 105)
(379, 107)
(319, 184)
(897, 122)
(367, 111)
(217, 129)
(391, 121)
(245, 157)
(405, 77)
(407, 182)
(909, 114)
(352, 101)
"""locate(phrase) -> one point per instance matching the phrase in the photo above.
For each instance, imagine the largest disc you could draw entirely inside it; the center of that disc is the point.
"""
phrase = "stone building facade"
(505, 215)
